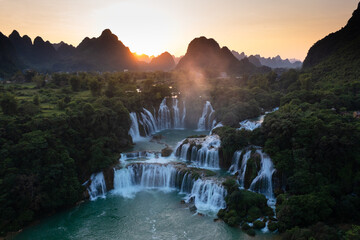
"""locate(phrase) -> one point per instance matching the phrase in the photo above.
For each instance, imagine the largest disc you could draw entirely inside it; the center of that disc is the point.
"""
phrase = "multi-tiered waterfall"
(164, 118)
(262, 182)
(207, 195)
(202, 152)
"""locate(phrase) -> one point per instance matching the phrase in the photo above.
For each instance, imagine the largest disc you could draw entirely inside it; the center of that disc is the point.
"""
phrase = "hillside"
(205, 54)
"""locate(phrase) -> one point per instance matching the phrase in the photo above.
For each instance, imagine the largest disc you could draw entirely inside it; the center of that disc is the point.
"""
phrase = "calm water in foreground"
(150, 215)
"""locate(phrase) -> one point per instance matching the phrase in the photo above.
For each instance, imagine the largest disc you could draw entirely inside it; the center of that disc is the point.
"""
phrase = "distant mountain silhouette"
(164, 62)
(254, 60)
(105, 53)
(239, 56)
(275, 62)
(64, 49)
(205, 54)
(334, 42)
(40, 55)
(9, 63)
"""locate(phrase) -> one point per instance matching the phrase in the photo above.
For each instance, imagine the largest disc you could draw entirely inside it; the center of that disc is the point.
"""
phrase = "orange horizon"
(282, 28)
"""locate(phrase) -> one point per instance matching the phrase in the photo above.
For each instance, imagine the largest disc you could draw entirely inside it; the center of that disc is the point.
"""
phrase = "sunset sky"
(269, 28)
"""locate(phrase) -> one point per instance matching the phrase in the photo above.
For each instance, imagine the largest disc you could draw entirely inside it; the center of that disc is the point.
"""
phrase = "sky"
(267, 27)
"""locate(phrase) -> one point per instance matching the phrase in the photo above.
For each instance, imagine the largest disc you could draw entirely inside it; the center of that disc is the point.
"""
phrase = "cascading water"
(235, 162)
(206, 115)
(158, 176)
(130, 180)
(184, 151)
(215, 126)
(208, 196)
(164, 117)
(263, 181)
(186, 183)
(124, 182)
(177, 121)
(205, 155)
(97, 187)
(134, 129)
(244, 161)
(193, 156)
(149, 122)
(163, 121)
(252, 124)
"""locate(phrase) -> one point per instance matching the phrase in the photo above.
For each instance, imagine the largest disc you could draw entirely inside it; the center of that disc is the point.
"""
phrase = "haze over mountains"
(275, 62)
(108, 53)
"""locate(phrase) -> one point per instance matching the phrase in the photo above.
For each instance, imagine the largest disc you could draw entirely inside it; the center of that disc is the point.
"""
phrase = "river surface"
(149, 214)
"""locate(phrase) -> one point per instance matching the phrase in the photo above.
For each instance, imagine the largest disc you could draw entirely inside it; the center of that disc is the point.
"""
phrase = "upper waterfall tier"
(251, 124)
(147, 123)
(202, 152)
(207, 119)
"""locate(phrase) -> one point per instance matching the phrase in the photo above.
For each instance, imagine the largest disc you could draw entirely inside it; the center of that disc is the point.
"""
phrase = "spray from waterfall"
(97, 187)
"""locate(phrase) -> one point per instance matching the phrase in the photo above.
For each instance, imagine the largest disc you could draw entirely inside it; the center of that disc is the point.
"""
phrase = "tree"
(95, 87)
(75, 83)
(8, 104)
(36, 100)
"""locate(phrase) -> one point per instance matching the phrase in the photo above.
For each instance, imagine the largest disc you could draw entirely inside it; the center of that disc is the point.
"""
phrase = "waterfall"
(134, 129)
(158, 176)
(243, 168)
(215, 126)
(184, 151)
(206, 157)
(137, 155)
(263, 181)
(186, 183)
(164, 117)
(252, 124)
(128, 181)
(193, 156)
(208, 196)
(163, 121)
(97, 187)
(177, 122)
(124, 182)
(149, 122)
(202, 126)
(235, 162)
(183, 115)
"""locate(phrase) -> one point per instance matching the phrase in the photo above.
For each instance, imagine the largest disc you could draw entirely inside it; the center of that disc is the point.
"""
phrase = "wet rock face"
(109, 178)
(166, 151)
